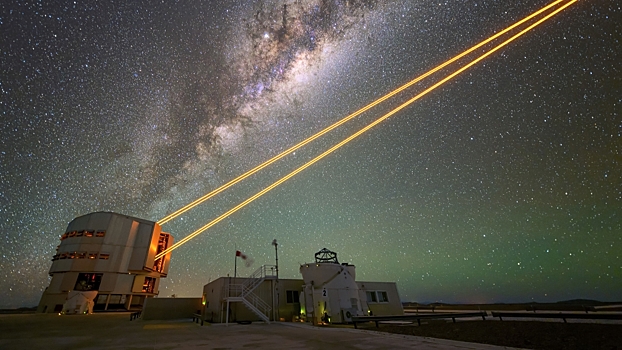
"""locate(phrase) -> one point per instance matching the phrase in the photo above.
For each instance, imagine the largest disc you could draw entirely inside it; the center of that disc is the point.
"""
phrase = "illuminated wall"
(289, 300)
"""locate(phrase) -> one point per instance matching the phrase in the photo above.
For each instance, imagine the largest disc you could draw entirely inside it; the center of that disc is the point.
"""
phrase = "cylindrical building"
(112, 254)
(330, 292)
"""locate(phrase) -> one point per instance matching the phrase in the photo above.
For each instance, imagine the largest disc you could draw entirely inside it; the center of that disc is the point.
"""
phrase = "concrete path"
(116, 331)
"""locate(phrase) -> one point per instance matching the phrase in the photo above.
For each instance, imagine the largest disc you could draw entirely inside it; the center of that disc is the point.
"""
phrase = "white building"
(112, 254)
(328, 292)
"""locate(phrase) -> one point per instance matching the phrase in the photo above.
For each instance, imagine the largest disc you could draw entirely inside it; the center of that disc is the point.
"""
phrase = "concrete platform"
(116, 331)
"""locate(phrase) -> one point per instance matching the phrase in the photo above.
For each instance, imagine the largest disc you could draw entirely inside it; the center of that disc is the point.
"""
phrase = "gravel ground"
(519, 334)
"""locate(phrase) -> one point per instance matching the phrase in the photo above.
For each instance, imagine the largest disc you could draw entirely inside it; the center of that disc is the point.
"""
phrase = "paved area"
(116, 331)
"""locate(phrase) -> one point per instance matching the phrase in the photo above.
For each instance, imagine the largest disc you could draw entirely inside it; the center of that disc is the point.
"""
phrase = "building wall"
(331, 291)
(212, 297)
(170, 308)
(118, 249)
(214, 294)
(289, 310)
(214, 307)
(393, 306)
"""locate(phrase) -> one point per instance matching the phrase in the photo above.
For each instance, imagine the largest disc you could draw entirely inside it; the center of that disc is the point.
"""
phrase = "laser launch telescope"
(109, 259)
(330, 293)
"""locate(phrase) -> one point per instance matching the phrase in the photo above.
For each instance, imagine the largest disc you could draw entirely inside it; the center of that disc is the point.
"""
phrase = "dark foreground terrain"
(115, 331)
(519, 334)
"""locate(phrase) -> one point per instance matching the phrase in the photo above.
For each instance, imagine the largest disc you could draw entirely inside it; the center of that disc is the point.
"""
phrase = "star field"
(502, 185)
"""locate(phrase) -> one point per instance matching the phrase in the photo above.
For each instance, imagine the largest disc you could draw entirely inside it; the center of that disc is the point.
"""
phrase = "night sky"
(503, 185)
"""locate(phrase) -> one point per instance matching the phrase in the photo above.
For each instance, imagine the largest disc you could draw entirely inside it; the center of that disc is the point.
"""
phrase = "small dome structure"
(326, 256)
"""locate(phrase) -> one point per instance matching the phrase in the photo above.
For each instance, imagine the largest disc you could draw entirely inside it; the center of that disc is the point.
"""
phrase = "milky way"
(503, 185)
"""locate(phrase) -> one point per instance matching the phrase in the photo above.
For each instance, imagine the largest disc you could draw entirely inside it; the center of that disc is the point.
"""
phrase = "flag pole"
(235, 265)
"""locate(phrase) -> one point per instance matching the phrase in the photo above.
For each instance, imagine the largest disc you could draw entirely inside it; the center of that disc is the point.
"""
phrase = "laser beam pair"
(366, 128)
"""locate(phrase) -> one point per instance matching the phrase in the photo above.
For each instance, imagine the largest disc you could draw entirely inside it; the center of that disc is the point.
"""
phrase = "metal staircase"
(244, 292)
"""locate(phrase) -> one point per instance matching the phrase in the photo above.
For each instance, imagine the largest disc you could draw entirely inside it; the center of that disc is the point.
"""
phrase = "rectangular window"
(88, 281)
(115, 299)
(72, 233)
(158, 265)
(377, 296)
(101, 299)
(92, 255)
(79, 234)
(81, 255)
(137, 300)
(293, 297)
(382, 297)
(63, 256)
(88, 233)
(98, 234)
(149, 285)
(72, 255)
(104, 256)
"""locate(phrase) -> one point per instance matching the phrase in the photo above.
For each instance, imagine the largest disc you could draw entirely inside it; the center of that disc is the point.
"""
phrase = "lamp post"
(276, 285)
(276, 251)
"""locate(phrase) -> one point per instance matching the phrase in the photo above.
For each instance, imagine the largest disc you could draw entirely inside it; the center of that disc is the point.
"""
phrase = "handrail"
(258, 302)
(234, 290)
(252, 283)
(258, 312)
(244, 291)
(419, 317)
(258, 276)
(240, 291)
(261, 273)
(562, 315)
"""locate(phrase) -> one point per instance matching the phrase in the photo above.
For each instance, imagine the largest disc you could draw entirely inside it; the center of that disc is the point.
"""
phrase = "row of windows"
(91, 281)
(85, 233)
(81, 255)
(108, 302)
(378, 296)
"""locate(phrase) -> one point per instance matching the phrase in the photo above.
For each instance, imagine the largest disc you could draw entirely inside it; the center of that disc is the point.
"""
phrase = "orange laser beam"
(346, 119)
(360, 132)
